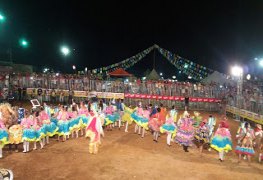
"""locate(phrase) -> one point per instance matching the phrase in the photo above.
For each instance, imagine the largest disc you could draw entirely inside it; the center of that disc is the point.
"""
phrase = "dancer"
(202, 135)
(245, 146)
(169, 127)
(173, 113)
(29, 134)
(137, 116)
(221, 140)
(197, 119)
(211, 125)
(258, 137)
(145, 121)
(50, 127)
(93, 131)
(127, 117)
(3, 136)
(39, 130)
(74, 122)
(163, 113)
(155, 124)
(63, 124)
(111, 117)
(83, 111)
(120, 110)
(185, 132)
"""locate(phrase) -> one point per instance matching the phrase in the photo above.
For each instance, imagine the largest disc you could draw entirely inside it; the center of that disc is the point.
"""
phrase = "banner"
(171, 98)
(81, 93)
(110, 95)
(245, 114)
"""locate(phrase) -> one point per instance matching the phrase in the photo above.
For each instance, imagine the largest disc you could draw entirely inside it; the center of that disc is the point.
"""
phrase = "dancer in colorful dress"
(185, 132)
(173, 113)
(83, 112)
(145, 121)
(245, 146)
(137, 116)
(169, 127)
(111, 116)
(221, 141)
(155, 123)
(50, 127)
(202, 135)
(258, 137)
(126, 118)
(211, 125)
(197, 119)
(39, 130)
(94, 131)
(74, 122)
(3, 136)
(163, 113)
(29, 134)
(63, 124)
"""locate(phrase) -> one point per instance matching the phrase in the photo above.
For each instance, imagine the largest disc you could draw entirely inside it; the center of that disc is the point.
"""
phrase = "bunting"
(185, 66)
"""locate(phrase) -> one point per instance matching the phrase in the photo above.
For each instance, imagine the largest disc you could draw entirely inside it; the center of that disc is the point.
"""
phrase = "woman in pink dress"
(39, 130)
(63, 124)
(83, 112)
(29, 134)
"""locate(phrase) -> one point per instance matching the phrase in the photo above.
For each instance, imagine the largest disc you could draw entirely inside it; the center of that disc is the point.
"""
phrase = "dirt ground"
(126, 156)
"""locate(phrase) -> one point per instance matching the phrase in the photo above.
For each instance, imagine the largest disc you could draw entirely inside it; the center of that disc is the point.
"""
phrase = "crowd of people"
(92, 118)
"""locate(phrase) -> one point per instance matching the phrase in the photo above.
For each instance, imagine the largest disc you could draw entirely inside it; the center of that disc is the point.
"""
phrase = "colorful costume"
(63, 123)
(173, 114)
(39, 129)
(50, 127)
(202, 133)
(185, 132)
(169, 126)
(3, 135)
(84, 117)
(137, 116)
(15, 134)
(246, 137)
(93, 131)
(111, 117)
(127, 115)
(211, 125)
(197, 119)
(221, 140)
(155, 122)
(29, 133)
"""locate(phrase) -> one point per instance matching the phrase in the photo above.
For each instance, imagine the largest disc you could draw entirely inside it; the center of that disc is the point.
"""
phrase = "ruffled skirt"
(222, 140)
(3, 137)
(169, 128)
(40, 133)
(110, 119)
(63, 128)
(184, 137)
(75, 124)
(245, 150)
(29, 135)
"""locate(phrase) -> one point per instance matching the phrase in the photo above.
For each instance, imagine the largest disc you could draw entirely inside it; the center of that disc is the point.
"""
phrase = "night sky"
(215, 34)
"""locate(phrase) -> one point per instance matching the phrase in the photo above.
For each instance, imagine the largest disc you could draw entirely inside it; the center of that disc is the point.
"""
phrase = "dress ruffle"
(244, 150)
(3, 137)
(221, 141)
(29, 135)
(63, 128)
(110, 119)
